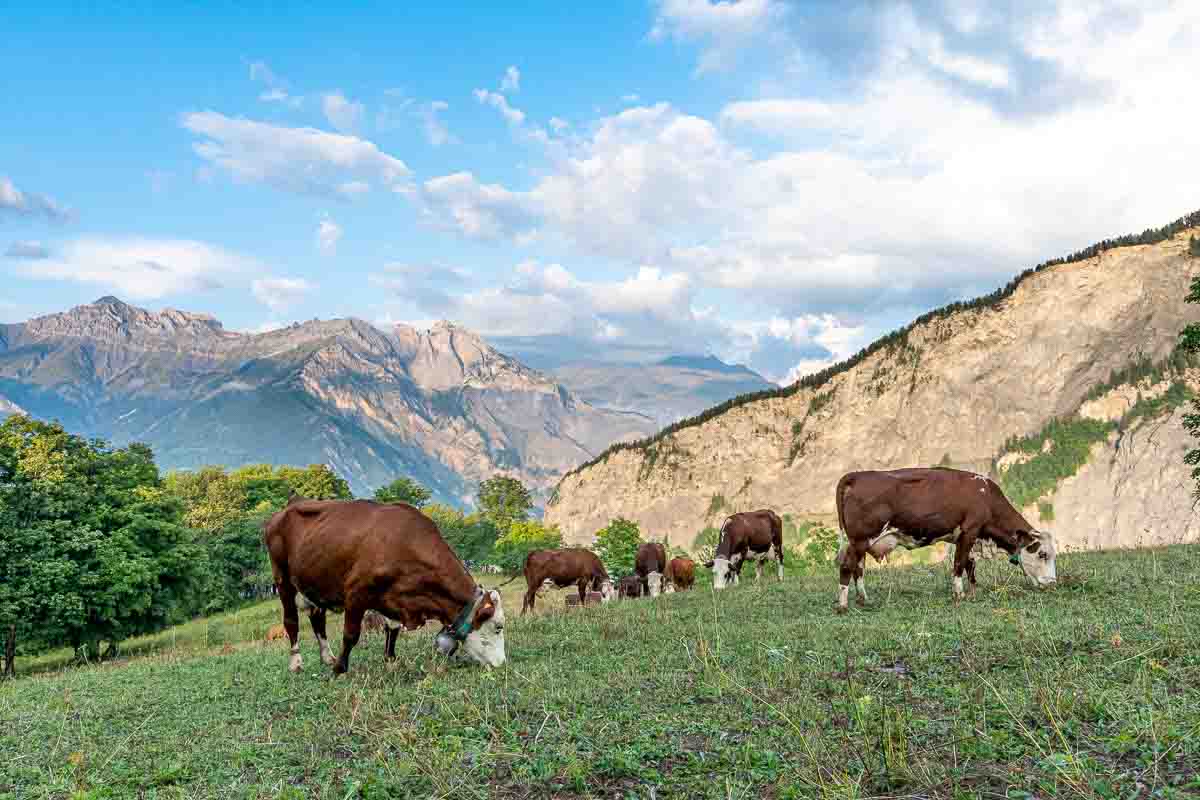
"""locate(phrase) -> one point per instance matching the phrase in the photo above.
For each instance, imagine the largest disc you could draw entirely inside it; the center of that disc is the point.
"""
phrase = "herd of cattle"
(359, 556)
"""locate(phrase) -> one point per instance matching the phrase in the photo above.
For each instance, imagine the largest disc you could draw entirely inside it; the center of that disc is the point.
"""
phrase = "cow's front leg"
(962, 557)
(971, 577)
(848, 562)
(860, 594)
(351, 629)
(389, 645)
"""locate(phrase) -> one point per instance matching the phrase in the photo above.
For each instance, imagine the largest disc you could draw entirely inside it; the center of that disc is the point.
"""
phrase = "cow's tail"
(843, 484)
(510, 580)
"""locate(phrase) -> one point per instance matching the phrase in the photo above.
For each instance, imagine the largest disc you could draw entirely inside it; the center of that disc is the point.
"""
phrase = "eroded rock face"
(440, 405)
(953, 393)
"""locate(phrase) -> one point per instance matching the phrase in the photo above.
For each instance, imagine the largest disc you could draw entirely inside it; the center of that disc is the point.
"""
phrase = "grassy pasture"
(1091, 689)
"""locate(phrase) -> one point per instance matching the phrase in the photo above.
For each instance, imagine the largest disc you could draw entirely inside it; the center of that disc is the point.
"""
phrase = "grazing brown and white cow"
(571, 566)
(650, 565)
(747, 535)
(911, 508)
(681, 573)
(629, 587)
(359, 555)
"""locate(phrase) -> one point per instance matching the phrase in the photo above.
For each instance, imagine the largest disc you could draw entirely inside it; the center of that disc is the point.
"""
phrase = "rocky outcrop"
(441, 406)
(952, 390)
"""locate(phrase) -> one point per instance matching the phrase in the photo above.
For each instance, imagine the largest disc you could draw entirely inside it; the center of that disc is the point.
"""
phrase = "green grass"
(1091, 689)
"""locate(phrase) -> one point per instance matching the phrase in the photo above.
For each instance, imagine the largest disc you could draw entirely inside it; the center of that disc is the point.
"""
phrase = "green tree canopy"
(470, 535)
(504, 500)
(521, 539)
(403, 490)
(617, 545)
(91, 546)
(1189, 342)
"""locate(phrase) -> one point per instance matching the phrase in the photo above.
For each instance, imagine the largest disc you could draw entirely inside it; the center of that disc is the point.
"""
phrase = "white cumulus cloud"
(279, 294)
(304, 160)
(27, 204)
(144, 268)
(344, 114)
(511, 82)
(329, 233)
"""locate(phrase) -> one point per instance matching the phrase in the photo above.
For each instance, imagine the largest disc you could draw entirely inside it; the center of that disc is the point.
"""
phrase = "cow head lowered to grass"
(359, 555)
(879, 511)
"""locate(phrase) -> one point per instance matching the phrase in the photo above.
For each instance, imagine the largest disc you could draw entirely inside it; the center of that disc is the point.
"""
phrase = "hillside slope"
(953, 389)
(440, 405)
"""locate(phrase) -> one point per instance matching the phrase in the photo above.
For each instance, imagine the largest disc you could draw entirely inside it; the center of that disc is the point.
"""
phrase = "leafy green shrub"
(617, 544)
(715, 504)
(705, 543)
(1071, 441)
(403, 490)
(522, 538)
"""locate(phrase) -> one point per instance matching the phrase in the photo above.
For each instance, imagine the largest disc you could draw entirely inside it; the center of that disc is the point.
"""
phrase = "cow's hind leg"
(758, 565)
(530, 596)
(316, 616)
(291, 621)
(971, 576)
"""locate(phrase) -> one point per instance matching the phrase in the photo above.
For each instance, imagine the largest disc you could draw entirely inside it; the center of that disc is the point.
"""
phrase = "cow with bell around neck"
(879, 511)
(359, 555)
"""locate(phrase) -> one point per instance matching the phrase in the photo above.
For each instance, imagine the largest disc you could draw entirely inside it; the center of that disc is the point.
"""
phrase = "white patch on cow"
(978, 477)
(486, 645)
(326, 653)
(1040, 566)
(654, 580)
(295, 663)
(890, 538)
(844, 597)
(861, 587)
(720, 568)
(607, 591)
(668, 587)
(958, 586)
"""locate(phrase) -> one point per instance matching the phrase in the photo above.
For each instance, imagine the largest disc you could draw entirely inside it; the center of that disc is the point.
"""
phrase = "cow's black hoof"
(861, 603)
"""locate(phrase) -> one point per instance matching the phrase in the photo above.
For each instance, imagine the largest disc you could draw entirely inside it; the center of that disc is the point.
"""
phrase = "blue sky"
(773, 182)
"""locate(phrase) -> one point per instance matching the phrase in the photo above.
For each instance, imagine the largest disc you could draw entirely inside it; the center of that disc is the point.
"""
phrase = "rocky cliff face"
(441, 405)
(952, 391)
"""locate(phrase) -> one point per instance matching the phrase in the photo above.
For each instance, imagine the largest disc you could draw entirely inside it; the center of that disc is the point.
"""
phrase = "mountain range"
(1066, 386)
(439, 405)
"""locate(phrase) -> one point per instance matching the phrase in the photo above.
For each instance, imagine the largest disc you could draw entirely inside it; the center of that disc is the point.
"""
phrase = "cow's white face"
(607, 591)
(1037, 560)
(654, 581)
(721, 568)
(485, 644)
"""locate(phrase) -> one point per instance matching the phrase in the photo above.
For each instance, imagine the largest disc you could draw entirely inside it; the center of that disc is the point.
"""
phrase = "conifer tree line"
(97, 545)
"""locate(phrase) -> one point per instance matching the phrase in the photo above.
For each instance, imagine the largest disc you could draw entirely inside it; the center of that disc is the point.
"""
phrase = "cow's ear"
(1033, 548)
(486, 610)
